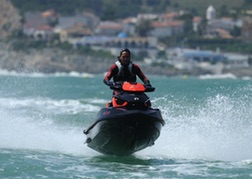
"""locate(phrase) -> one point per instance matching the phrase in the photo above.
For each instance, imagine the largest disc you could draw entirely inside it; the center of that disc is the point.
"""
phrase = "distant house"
(223, 23)
(236, 60)
(166, 29)
(219, 27)
(39, 25)
(108, 28)
(88, 19)
(129, 26)
(78, 30)
(218, 32)
(198, 55)
(73, 33)
(68, 21)
(75, 26)
(168, 17)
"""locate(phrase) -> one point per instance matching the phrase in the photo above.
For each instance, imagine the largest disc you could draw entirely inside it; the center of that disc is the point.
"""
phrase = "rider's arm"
(140, 74)
(112, 72)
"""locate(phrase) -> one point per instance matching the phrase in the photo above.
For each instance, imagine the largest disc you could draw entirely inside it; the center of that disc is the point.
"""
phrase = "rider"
(124, 70)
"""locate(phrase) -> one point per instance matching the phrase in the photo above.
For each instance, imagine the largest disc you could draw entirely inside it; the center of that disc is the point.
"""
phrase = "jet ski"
(127, 124)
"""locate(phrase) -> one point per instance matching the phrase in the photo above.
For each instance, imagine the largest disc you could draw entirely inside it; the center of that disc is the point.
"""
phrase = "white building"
(210, 14)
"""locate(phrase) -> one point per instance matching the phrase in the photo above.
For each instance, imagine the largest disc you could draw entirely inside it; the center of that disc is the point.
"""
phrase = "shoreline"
(55, 60)
(92, 75)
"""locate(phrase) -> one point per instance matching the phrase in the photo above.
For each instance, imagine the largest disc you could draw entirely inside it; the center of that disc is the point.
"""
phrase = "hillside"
(112, 9)
(201, 5)
(9, 19)
(105, 9)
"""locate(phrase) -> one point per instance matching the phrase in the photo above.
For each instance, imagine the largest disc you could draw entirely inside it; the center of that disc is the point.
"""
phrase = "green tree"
(236, 32)
(188, 25)
(224, 11)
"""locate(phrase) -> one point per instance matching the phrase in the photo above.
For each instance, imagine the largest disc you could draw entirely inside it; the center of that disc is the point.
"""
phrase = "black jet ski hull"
(118, 131)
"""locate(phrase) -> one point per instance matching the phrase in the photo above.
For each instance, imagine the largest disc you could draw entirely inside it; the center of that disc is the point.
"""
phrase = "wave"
(223, 76)
(218, 128)
(19, 132)
(37, 74)
(63, 106)
(45, 124)
(219, 76)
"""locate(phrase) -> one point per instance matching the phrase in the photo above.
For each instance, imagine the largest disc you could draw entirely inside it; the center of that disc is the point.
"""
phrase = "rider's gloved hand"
(110, 83)
(118, 83)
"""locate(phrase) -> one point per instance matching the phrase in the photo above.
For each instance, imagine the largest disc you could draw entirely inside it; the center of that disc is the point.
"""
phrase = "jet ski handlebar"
(149, 88)
(116, 86)
(131, 86)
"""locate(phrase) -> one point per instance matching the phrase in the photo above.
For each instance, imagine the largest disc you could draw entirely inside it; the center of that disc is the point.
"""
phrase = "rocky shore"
(52, 60)
(49, 60)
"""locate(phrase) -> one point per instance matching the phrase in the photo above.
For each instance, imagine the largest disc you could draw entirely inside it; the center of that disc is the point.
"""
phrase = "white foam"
(218, 76)
(45, 104)
(218, 130)
(38, 74)
(19, 132)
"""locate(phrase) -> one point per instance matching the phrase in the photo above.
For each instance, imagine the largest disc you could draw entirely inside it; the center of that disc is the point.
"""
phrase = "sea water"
(207, 134)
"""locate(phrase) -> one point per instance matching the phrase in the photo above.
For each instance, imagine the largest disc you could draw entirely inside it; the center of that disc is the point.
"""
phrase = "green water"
(207, 132)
